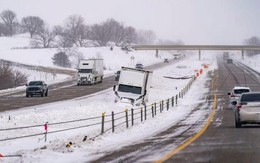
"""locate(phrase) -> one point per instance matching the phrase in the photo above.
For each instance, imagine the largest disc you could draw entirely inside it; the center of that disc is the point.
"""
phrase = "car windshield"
(35, 83)
(139, 65)
(240, 91)
(250, 97)
(129, 89)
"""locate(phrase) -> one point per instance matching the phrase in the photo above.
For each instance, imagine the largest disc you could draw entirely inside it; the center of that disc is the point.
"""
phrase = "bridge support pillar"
(243, 54)
(199, 55)
(156, 53)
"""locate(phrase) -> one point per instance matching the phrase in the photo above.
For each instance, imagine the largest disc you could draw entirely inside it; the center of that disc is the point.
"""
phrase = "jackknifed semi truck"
(90, 71)
(133, 86)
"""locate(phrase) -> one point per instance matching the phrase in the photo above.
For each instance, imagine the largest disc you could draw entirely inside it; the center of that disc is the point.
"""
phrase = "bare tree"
(78, 56)
(58, 30)
(130, 35)
(98, 35)
(254, 40)
(32, 24)
(3, 30)
(9, 18)
(19, 78)
(62, 38)
(5, 76)
(10, 78)
(63, 41)
(113, 31)
(76, 30)
(43, 38)
(145, 37)
(104, 32)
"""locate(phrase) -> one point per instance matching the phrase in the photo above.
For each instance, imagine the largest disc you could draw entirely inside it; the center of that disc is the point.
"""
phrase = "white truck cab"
(90, 71)
(133, 86)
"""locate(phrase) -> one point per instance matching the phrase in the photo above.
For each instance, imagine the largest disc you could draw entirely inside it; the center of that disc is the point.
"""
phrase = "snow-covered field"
(35, 149)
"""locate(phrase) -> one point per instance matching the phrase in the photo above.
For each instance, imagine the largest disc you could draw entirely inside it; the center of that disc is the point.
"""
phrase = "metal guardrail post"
(152, 111)
(168, 104)
(176, 100)
(145, 111)
(132, 116)
(141, 114)
(126, 117)
(160, 107)
(155, 108)
(103, 122)
(113, 121)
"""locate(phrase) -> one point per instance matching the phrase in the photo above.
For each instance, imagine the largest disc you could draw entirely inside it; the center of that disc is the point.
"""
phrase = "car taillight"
(239, 106)
(233, 96)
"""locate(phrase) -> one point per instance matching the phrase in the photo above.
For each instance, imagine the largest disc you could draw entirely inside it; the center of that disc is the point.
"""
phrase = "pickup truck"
(36, 88)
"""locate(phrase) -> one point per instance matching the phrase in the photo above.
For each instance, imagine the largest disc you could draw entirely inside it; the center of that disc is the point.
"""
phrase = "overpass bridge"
(199, 48)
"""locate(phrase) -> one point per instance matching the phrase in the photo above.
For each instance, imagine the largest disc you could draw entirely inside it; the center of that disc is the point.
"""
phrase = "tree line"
(254, 40)
(74, 32)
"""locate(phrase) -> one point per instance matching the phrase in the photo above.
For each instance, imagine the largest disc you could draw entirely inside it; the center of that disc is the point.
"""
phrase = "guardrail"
(40, 68)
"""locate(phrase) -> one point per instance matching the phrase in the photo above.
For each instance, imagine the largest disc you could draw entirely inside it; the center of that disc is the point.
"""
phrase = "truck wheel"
(46, 94)
(237, 121)
(42, 94)
(27, 95)
(101, 79)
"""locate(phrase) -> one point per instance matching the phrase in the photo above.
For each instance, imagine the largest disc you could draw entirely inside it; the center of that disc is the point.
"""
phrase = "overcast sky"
(192, 21)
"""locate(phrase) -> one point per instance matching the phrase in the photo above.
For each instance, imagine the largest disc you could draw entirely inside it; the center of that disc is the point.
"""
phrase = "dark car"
(36, 88)
(229, 61)
(117, 75)
(166, 60)
(139, 66)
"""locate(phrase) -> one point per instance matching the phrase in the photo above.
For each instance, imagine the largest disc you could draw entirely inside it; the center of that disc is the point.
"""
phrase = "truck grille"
(34, 89)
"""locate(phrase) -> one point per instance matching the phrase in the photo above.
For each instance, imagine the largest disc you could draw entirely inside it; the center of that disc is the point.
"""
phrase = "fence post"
(172, 101)
(168, 104)
(103, 122)
(46, 130)
(113, 122)
(126, 117)
(145, 112)
(176, 99)
(132, 116)
(152, 111)
(141, 114)
(160, 107)
(155, 108)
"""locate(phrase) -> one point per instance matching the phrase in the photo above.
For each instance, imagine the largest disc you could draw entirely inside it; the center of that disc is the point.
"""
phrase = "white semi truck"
(133, 86)
(90, 71)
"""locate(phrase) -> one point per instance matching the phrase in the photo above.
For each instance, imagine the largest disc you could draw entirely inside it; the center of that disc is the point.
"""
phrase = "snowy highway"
(164, 134)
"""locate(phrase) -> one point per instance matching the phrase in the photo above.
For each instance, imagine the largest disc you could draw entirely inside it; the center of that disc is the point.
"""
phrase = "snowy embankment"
(93, 106)
(16, 49)
(252, 62)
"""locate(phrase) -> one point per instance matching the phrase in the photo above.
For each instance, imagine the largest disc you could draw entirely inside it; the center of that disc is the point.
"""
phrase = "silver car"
(247, 109)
